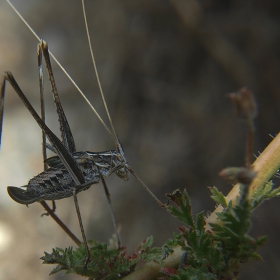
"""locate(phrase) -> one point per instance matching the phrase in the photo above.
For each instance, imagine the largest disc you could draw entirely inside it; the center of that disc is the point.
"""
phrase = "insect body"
(70, 171)
(56, 182)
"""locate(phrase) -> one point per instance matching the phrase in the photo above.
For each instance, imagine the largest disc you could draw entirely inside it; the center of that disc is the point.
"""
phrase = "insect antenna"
(115, 138)
(97, 78)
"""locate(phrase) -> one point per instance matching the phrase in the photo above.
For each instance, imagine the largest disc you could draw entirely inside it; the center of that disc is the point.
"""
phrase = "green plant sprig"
(105, 263)
(218, 255)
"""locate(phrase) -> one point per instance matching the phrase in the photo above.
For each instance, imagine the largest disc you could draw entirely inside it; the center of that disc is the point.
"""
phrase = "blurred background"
(165, 67)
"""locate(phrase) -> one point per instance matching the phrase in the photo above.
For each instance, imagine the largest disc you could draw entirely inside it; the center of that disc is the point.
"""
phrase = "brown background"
(165, 67)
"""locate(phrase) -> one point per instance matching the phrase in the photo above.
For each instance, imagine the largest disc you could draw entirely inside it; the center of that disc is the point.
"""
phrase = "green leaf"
(266, 192)
(104, 263)
(191, 273)
(217, 254)
(181, 209)
(218, 197)
(200, 221)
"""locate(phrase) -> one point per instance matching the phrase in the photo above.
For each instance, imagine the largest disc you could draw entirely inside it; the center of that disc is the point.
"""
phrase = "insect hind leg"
(60, 149)
(2, 98)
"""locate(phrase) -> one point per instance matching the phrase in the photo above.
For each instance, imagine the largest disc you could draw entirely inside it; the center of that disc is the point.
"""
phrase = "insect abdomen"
(53, 184)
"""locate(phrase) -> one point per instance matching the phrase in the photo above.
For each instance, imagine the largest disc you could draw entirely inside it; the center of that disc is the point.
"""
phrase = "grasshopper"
(69, 172)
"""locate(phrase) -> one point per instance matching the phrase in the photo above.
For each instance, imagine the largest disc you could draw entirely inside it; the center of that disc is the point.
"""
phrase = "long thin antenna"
(118, 144)
(96, 72)
(69, 77)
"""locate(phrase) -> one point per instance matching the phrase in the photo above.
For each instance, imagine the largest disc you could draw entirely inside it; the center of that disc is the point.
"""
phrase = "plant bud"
(244, 103)
(241, 175)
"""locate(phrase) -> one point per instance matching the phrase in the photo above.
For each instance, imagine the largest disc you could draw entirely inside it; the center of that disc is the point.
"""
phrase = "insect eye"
(123, 174)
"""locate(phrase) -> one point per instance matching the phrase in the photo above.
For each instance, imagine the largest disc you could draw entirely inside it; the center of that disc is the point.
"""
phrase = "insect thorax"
(56, 182)
(109, 162)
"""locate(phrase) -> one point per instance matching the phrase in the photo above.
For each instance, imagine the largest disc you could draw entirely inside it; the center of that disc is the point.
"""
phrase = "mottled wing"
(54, 162)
